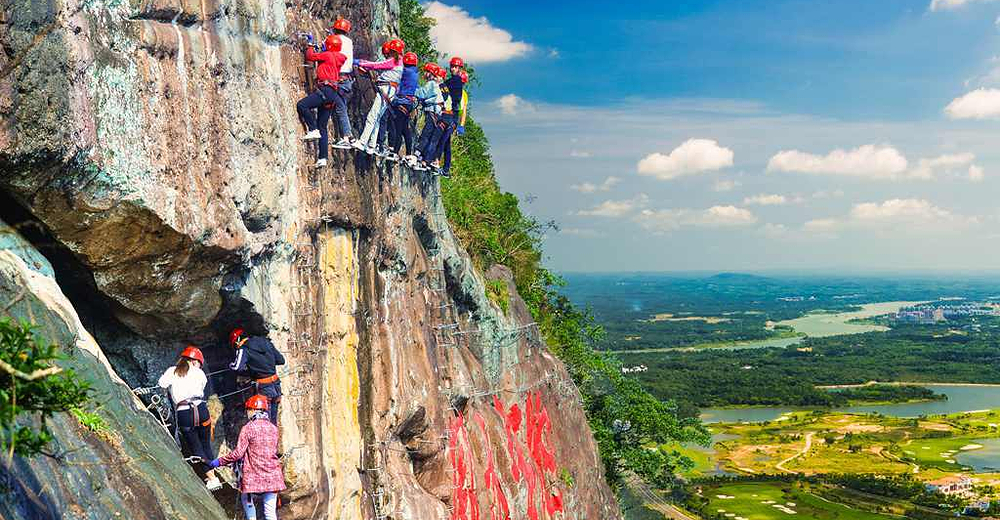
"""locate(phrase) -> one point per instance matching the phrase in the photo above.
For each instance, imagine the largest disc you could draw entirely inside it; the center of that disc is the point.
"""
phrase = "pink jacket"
(391, 71)
(258, 449)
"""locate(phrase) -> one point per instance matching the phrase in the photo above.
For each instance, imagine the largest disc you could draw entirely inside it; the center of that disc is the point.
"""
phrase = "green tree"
(415, 30)
(32, 388)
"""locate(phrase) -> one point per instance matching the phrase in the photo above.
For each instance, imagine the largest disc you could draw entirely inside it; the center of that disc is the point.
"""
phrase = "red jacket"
(258, 449)
(329, 64)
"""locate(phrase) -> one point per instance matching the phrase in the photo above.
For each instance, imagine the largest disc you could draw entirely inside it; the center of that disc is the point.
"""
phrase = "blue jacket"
(408, 84)
(452, 88)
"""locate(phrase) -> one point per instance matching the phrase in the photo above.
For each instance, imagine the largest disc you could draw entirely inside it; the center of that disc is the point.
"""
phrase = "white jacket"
(191, 386)
(347, 49)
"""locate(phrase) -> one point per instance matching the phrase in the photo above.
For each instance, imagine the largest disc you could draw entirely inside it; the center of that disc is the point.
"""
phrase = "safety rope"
(241, 390)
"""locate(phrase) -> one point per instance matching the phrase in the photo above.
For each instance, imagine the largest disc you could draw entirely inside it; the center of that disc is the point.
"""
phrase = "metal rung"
(448, 326)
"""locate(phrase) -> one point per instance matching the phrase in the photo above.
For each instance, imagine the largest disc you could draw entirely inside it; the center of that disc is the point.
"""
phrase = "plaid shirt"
(258, 449)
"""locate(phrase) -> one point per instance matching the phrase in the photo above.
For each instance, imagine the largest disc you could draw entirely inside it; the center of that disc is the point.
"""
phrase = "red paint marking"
(541, 460)
(499, 510)
(463, 496)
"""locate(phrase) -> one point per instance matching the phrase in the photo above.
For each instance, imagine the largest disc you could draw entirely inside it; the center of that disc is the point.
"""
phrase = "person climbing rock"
(460, 127)
(257, 359)
(257, 451)
(453, 91)
(345, 85)
(326, 96)
(390, 71)
(186, 383)
(402, 107)
(430, 99)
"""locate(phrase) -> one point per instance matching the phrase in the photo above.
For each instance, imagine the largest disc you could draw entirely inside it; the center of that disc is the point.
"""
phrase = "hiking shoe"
(321, 163)
(344, 144)
(213, 484)
(311, 135)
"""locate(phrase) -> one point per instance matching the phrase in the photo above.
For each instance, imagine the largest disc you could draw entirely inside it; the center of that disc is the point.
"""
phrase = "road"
(654, 501)
(803, 451)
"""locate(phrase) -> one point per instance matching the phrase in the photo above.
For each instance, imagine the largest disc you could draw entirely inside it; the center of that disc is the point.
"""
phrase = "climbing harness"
(161, 407)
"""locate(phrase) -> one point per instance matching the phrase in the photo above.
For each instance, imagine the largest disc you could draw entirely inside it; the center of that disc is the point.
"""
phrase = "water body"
(961, 398)
(821, 325)
(983, 460)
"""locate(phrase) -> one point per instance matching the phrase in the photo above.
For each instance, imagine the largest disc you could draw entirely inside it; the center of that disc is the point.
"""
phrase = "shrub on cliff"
(31, 389)
(628, 423)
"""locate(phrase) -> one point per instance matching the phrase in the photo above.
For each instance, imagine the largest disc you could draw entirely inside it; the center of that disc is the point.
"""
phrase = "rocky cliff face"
(150, 160)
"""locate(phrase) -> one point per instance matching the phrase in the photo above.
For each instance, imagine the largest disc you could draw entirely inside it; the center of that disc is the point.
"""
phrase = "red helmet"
(342, 25)
(235, 336)
(256, 402)
(410, 58)
(333, 43)
(431, 68)
(385, 49)
(397, 45)
(457, 62)
(441, 73)
(464, 75)
(192, 352)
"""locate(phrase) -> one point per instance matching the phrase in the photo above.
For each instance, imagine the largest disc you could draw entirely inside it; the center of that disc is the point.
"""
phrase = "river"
(961, 398)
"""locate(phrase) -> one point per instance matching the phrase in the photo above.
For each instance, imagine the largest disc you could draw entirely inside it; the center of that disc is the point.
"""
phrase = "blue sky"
(744, 135)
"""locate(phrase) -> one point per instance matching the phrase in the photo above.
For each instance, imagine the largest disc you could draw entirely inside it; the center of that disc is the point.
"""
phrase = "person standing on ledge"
(257, 451)
(257, 359)
(186, 383)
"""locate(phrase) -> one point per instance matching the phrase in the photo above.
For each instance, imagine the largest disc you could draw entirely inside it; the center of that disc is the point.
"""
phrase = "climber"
(453, 91)
(257, 451)
(326, 96)
(257, 359)
(391, 70)
(186, 383)
(460, 130)
(402, 108)
(345, 86)
(430, 99)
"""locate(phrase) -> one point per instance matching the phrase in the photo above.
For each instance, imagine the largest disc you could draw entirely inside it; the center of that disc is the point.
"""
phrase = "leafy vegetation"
(888, 394)
(31, 387)
(624, 417)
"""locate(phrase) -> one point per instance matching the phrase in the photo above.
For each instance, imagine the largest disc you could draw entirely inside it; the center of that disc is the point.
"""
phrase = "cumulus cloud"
(588, 187)
(512, 105)
(725, 185)
(874, 161)
(615, 208)
(766, 200)
(665, 220)
(982, 103)
(944, 5)
(692, 157)
(916, 215)
(475, 39)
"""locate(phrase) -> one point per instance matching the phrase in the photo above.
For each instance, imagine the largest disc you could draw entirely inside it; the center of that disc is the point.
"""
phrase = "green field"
(937, 453)
(750, 502)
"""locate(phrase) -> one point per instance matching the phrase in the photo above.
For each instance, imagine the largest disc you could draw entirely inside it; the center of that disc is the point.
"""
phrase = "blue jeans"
(318, 100)
(441, 137)
(346, 86)
(270, 505)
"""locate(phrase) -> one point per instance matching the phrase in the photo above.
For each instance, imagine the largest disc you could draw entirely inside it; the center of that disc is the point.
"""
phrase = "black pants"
(273, 393)
(399, 127)
(318, 100)
(196, 437)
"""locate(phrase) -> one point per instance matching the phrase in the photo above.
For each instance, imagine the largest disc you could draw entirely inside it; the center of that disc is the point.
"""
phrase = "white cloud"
(823, 194)
(582, 232)
(865, 161)
(588, 187)
(821, 225)
(457, 33)
(665, 220)
(765, 200)
(512, 105)
(691, 157)
(578, 154)
(943, 5)
(615, 208)
(982, 103)
(725, 185)
(554, 54)
(914, 215)
(976, 173)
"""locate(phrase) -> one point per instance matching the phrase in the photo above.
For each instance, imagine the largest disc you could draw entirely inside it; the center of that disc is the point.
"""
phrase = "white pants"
(270, 506)
(370, 135)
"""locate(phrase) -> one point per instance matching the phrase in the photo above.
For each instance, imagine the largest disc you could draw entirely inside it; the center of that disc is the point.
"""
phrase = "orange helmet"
(409, 59)
(192, 352)
(256, 402)
(342, 25)
(235, 336)
(457, 62)
(397, 45)
(333, 43)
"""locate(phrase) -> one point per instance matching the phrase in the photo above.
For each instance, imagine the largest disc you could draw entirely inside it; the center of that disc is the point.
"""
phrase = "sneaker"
(391, 156)
(311, 135)
(445, 173)
(213, 484)
(359, 145)
(344, 144)
(421, 166)
(410, 160)
(321, 163)
(371, 150)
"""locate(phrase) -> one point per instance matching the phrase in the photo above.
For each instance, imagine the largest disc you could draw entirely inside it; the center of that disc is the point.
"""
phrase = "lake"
(961, 398)
(983, 460)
